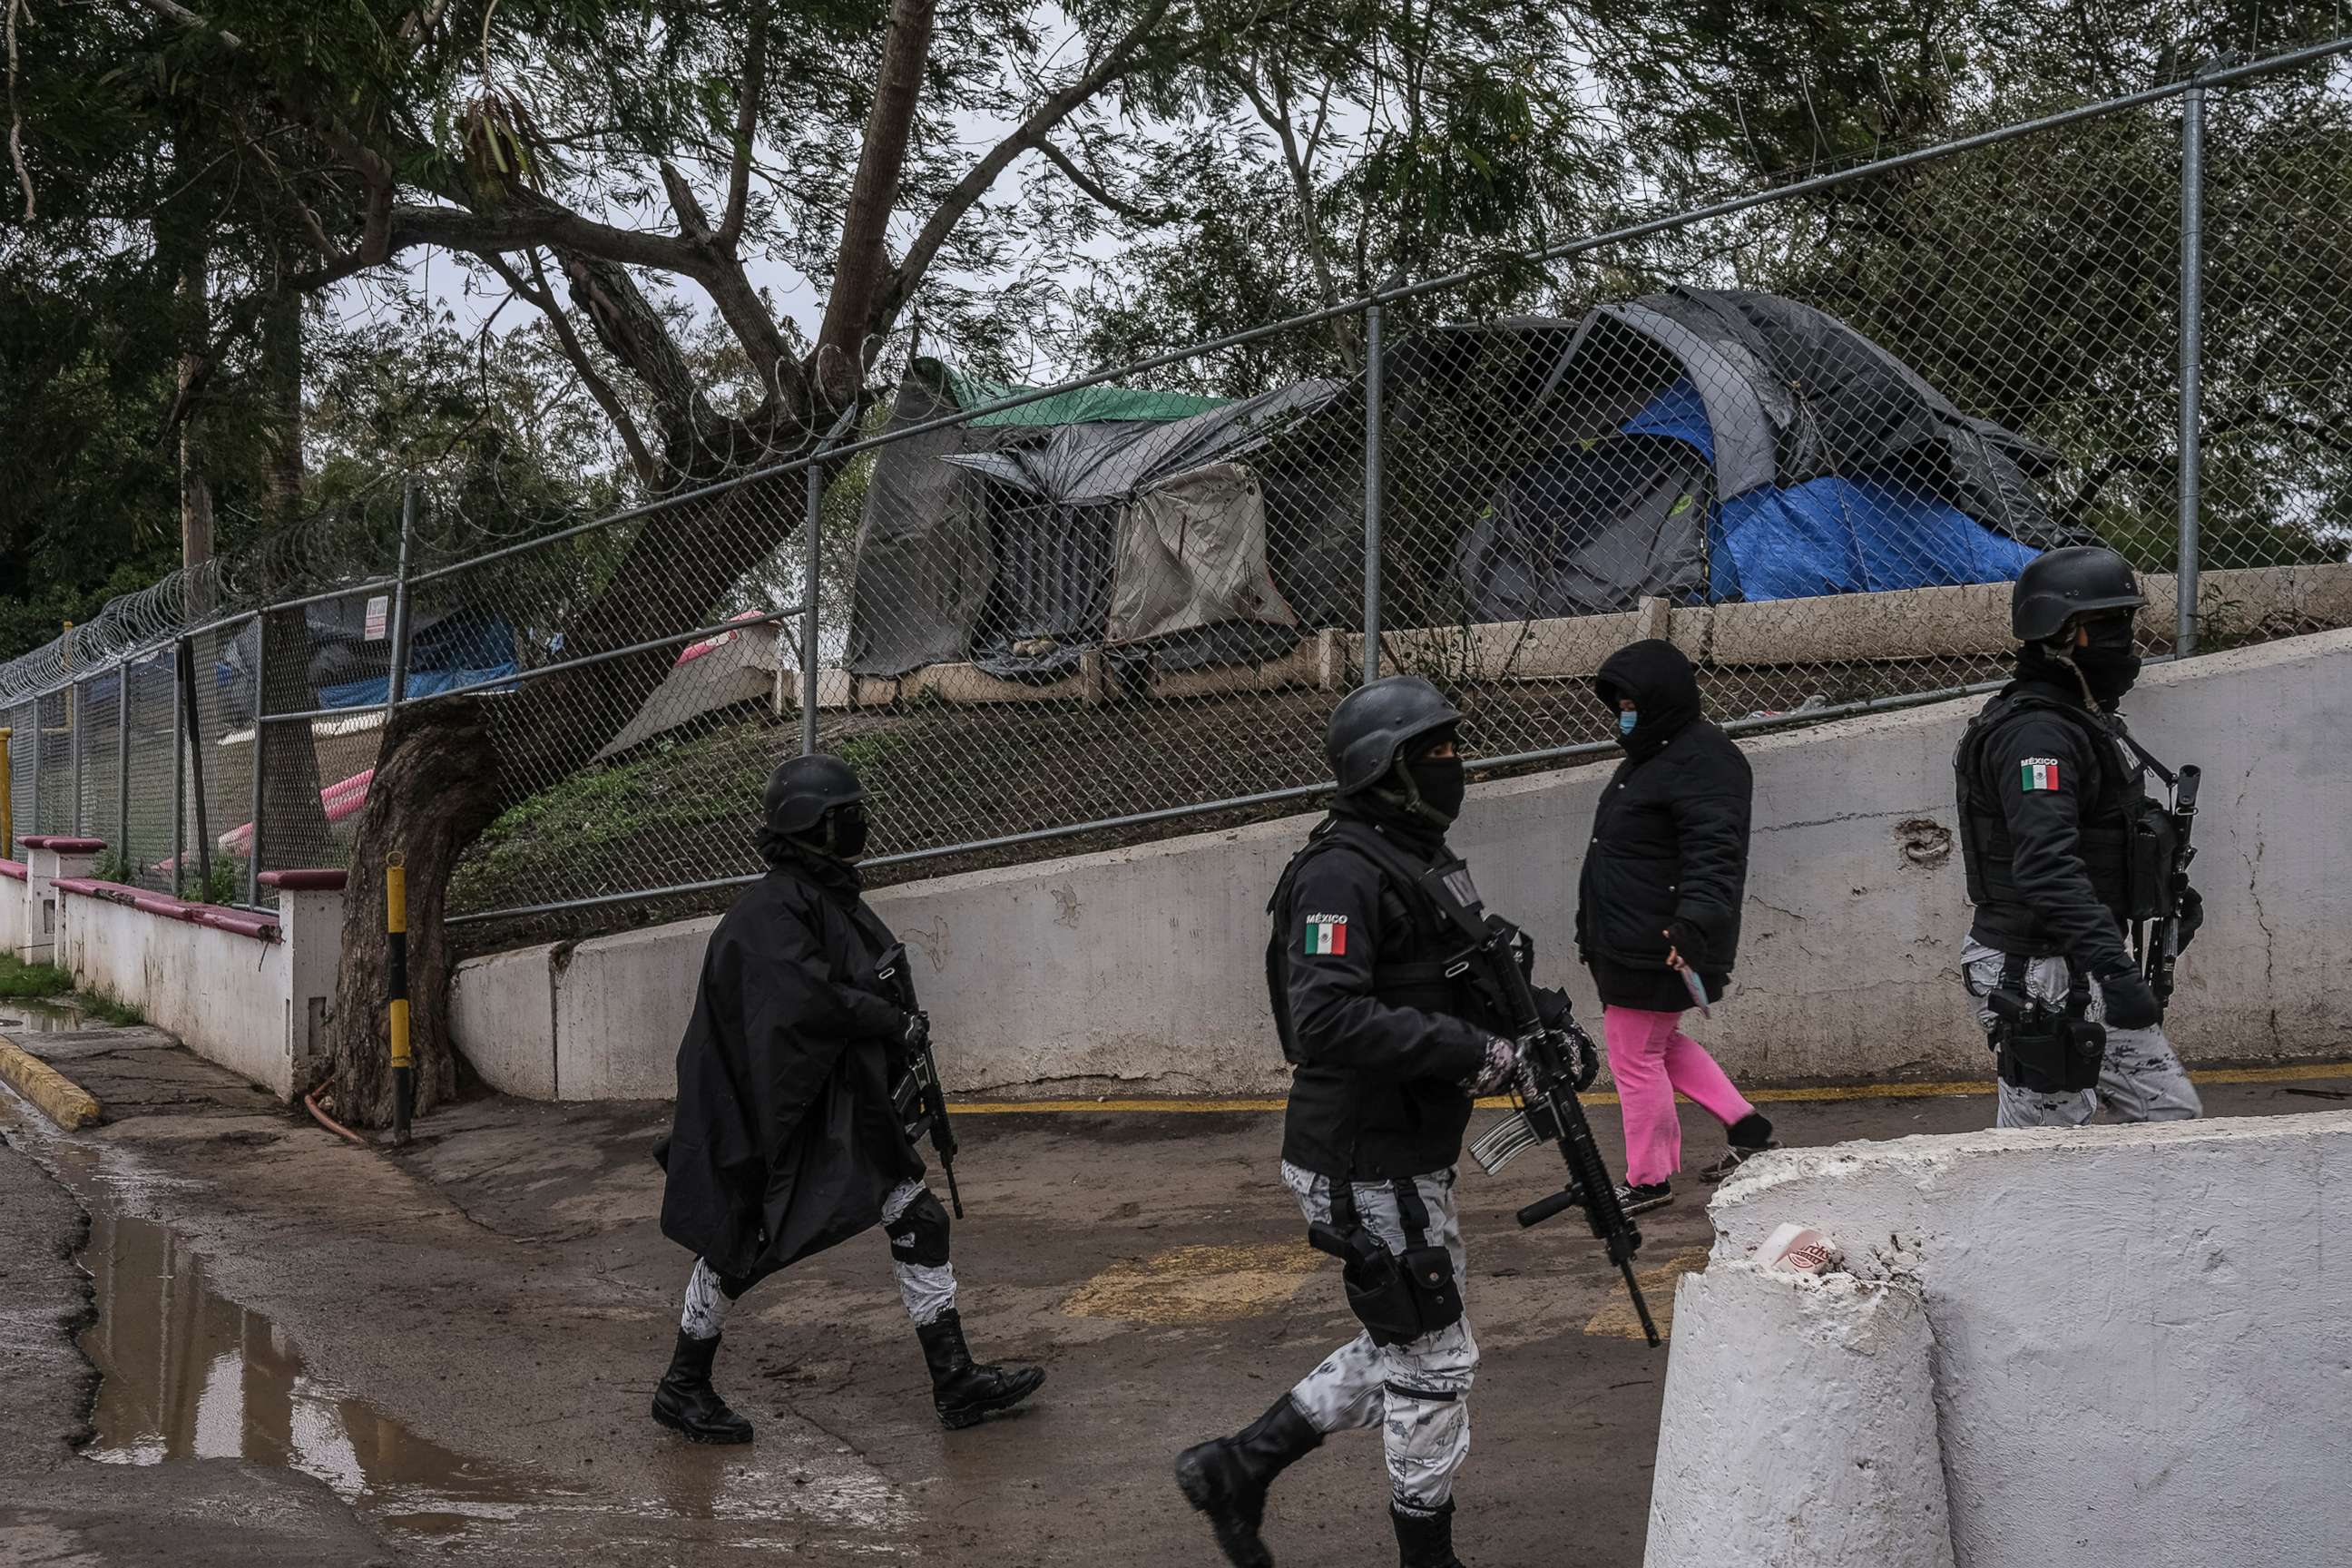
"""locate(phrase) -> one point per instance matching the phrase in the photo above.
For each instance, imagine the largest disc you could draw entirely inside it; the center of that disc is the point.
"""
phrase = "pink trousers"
(1651, 1058)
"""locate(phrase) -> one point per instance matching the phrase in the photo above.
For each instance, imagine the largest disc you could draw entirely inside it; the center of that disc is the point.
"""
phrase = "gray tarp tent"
(1017, 545)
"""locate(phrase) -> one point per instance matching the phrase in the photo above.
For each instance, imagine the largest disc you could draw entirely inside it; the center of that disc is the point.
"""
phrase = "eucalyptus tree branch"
(746, 121)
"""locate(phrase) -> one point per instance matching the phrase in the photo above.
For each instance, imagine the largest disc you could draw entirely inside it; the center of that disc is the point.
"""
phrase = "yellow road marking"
(2298, 1073)
(1192, 1285)
(1617, 1320)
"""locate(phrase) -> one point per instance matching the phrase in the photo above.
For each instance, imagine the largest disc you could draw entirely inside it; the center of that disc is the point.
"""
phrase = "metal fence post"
(74, 737)
(179, 774)
(260, 755)
(8, 790)
(33, 755)
(123, 766)
(395, 688)
(2192, 362)
(194, 715)
(813, 562)
(1373, 491)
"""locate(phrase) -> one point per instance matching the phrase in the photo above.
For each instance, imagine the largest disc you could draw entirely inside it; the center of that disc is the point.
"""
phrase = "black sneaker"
(1637, 1200)
(1736, 1157)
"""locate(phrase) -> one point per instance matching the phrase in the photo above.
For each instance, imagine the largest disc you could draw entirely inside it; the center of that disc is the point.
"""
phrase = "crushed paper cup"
(1799, 1249)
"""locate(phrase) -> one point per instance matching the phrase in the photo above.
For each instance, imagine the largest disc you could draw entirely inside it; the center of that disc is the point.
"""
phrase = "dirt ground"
(317, 1353)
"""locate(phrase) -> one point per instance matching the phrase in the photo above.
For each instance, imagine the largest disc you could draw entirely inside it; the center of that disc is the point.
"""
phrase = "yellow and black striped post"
(395, 951)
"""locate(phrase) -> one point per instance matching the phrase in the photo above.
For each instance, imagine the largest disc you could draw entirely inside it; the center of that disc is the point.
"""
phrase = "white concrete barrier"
(247, 991)
(1799, 1426)
(2141, 1336)
(47, 857)
(1141, 968)
(14, 875)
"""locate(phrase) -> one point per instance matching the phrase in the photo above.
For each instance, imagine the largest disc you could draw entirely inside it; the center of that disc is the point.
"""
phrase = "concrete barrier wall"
(2140, 1336)
(255, 1004)
(1141, 968)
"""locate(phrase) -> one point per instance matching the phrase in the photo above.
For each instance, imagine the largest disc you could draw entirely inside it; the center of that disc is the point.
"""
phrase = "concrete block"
(1799, 1426)
(502, 1018)
(2140, 1331)
(621, 1004)
(1302, 666)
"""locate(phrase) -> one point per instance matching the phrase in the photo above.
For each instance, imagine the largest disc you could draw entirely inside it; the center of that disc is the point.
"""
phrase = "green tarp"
(1086, 405)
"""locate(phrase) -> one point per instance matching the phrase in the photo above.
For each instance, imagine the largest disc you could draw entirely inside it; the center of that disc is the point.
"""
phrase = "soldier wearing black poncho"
(785, 1140)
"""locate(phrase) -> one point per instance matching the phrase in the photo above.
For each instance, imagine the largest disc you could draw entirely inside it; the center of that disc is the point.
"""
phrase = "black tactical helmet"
(2059, 584)
(802, 789)
(1374, 725)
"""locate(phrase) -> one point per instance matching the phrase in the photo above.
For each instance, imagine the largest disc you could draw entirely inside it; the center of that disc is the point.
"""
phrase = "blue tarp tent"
(1714, 445)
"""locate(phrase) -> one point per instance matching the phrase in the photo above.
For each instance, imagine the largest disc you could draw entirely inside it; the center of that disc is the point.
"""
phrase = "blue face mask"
(1625, 722)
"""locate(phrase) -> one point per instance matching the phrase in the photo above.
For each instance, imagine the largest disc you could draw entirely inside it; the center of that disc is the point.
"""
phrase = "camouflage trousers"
(1418, 1393)
(2141, 1078)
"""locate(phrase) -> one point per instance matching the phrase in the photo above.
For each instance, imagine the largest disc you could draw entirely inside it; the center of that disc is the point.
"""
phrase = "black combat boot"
(960, 1392)
(1227, 1478)
(687, 1402)
(1425, 1539)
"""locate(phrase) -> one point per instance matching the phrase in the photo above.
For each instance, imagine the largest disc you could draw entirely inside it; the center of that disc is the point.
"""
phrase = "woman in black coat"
(786, 1139)
(1657, 914)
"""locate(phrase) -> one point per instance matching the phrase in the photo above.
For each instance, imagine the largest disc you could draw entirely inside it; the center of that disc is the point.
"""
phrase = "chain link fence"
(1810, 435)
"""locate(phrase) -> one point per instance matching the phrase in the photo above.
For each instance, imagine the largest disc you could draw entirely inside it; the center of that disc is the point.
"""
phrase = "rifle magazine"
(1505, 1141)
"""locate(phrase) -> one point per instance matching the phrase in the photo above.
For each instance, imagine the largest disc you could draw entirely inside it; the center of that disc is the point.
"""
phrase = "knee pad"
(920, 1235)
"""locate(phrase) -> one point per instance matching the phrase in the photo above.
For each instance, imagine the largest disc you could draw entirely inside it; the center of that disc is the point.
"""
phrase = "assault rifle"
(1551, 1066)
(2161, 950)
(921, 1103)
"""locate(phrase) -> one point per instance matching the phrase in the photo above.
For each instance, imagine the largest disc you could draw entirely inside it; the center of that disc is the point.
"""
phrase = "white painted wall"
(11, 913)
(258, 1007)
(1142, 968)
(36, 920)
(2142, 1335)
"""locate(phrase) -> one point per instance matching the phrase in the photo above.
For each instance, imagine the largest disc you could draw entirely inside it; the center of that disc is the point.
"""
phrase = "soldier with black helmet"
(1389, 1041)
(2069, 860)
(787, 1138)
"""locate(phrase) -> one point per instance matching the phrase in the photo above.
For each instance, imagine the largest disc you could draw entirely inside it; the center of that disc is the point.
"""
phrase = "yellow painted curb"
(60, 1099)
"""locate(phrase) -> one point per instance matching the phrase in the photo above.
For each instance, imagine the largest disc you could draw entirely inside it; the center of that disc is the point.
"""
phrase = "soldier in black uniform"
(786, 1139)
(1390, 1043)
(2063, 852)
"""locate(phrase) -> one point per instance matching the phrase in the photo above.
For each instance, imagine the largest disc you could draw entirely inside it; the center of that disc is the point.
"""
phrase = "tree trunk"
(435, 789)
(195, 485)
(281, 353)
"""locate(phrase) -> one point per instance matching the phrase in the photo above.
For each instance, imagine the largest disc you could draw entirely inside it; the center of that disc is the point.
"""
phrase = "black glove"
(1553, 1009)
(2192, 918)
(917, 1034)
(1689, 943)
(2130, 1003)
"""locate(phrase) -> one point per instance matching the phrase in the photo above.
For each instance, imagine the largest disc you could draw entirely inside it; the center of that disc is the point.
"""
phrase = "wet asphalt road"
(447, 1353)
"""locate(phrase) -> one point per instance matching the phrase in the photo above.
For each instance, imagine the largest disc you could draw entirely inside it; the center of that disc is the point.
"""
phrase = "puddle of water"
(32, 1016)
(190, 1374)
(187, 1373)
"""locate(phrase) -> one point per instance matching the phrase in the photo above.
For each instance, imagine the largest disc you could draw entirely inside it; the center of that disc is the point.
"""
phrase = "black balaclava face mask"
(2109, 661)
(846, 831)
(1439, 783)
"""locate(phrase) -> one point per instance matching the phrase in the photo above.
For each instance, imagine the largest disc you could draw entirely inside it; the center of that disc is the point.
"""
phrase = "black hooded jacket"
(1669, 839)
(784, 1141)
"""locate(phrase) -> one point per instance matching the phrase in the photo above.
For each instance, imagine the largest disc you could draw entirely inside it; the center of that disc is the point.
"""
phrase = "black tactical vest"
(1434, 980)
(2110, 803)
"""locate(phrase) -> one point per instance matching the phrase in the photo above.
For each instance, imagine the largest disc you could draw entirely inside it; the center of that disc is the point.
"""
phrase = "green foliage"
(227, 886)
(113, 865)
(108, 1009)
(21, 982)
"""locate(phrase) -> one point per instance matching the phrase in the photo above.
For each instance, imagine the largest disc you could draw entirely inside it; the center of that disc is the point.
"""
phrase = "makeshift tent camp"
(1702, 446)
(1019, 539)
(1726, 445)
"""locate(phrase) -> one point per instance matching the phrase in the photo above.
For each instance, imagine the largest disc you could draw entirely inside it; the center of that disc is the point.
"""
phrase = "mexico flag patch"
(2038, 772)
(1326, 934)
